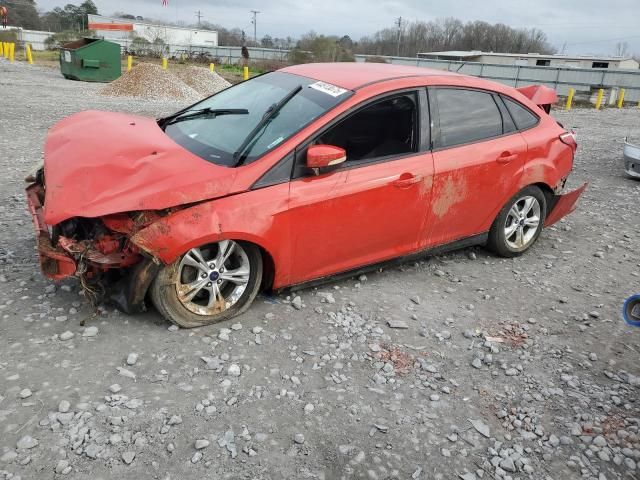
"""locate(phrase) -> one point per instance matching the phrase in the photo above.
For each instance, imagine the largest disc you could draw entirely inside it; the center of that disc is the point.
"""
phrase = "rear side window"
(521, 116)
(466, 116)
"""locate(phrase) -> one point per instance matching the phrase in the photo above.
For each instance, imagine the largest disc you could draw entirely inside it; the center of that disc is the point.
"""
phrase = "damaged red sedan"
(292, 177)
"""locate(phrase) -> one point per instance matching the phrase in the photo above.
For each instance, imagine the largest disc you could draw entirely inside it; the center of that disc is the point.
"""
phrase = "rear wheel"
(208, 284)
(519, 223)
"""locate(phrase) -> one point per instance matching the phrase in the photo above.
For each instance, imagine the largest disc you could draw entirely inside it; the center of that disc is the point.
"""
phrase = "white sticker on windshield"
(328, 89)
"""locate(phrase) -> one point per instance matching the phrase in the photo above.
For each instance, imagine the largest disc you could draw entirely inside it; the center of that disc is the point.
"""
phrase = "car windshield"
(216, 138)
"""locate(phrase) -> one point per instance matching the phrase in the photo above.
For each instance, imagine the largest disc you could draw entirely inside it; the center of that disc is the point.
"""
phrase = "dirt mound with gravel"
(147, 80)
(202, 80)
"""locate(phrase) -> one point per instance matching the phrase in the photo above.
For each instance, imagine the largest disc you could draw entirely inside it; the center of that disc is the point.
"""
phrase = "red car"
(292, 177)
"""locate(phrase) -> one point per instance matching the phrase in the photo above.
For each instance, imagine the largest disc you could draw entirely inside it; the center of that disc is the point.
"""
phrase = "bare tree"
(622, 49)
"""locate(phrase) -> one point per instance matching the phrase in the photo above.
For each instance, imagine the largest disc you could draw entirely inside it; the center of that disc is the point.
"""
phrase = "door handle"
(406, 181)
(506, 157)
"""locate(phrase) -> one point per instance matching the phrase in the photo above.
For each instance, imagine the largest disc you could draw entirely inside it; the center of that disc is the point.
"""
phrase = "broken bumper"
(631, 155)
(54, 262)
(563, 205)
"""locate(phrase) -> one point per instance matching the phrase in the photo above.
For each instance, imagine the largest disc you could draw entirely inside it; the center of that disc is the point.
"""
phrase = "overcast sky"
(586, 26)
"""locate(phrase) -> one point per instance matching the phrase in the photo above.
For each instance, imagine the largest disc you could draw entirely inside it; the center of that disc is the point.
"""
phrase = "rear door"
(478, 160)
(374, 206)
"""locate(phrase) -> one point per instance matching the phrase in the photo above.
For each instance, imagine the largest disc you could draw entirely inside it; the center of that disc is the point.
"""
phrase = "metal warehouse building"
(123, 30)
(533, 59)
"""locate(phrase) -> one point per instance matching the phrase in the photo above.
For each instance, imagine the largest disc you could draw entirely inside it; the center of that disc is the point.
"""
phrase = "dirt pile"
(202, 80)
(147, 80)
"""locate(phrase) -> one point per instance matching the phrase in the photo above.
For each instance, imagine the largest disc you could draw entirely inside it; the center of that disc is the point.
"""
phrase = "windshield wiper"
(203, 112)
(271, 112)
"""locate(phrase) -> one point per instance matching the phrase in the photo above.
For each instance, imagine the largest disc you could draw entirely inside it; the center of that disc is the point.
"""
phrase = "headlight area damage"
(98, 251)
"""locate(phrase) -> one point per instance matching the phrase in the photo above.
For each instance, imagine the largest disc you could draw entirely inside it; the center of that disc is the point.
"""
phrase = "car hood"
(99, 163)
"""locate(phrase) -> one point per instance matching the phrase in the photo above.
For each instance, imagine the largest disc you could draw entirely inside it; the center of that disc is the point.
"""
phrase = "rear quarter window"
(521, 115)
(466, 116)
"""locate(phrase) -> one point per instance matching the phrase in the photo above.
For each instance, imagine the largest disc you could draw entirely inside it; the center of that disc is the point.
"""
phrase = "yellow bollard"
(245, 73)
(212, 67)
(620, 98)
(129, 63)
(569, 99)
(29, 54)
(599, 99)
(5, 52)
(1, 49)
(12, 52)
(164, 63)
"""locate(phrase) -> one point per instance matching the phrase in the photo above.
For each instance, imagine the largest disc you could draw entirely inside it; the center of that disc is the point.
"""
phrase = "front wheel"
(519, 223)
(208, 284)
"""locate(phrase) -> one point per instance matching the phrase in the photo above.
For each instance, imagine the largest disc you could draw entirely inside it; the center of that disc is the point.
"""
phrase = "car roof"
(354, 75)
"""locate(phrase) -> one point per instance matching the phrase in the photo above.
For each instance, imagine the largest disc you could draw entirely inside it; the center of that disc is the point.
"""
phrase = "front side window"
(466, 116)
(218, 137)
(384, 128)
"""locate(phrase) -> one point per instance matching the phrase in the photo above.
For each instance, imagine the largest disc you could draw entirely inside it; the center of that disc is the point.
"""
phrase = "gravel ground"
(496, 368)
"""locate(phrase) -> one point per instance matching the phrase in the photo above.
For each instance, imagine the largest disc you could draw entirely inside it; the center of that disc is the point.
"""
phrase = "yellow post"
(2, 49)
(245, 73)
(164, 63)
(620, 98)
(12, 52)
(29, 54)
(569, 99)
(599, 99)
(129, 63)
(212, 67)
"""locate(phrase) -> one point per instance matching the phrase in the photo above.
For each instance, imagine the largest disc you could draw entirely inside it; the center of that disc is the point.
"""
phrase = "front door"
(374, 206)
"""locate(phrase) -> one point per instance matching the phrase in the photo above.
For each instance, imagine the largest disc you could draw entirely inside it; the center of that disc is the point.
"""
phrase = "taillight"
(569, 138)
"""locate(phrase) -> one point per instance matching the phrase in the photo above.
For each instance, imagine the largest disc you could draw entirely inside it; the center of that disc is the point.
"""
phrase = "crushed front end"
(97, 251)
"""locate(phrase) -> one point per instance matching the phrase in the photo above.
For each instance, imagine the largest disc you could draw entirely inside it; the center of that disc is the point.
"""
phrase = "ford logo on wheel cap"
(213, 276)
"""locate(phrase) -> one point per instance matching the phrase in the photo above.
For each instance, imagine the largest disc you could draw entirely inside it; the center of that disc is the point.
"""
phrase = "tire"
(164, 291)
(510, 246)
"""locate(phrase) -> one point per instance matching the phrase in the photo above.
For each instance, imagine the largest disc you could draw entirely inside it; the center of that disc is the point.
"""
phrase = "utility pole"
(398, 22)
(255, 25)
(199, 15)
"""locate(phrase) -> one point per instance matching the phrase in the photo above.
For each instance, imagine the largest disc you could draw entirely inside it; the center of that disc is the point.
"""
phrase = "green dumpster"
(90, 60)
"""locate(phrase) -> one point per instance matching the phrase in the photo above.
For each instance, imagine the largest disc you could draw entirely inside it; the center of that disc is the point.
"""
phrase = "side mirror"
(323, 156)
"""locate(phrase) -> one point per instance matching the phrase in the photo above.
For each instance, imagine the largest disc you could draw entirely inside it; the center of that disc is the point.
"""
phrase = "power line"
(255, 24)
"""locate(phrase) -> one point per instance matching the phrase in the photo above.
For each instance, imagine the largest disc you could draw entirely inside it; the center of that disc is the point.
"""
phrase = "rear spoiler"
(542, 96)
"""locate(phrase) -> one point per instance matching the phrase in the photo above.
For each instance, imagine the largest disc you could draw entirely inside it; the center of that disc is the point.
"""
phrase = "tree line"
(404, 39)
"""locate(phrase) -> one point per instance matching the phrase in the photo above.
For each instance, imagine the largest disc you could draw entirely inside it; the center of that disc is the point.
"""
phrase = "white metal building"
(35, 38)
(122, 29)
(534, 59)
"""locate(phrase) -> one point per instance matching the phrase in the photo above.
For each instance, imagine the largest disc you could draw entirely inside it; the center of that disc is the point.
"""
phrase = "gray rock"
(599, 441)
(397, 324)
(234, 370)
(128, 456)
(132, 358)
(115, 388)
(297, 303)
(476, 363)
(90, 331)
(64, 406)
(201, 443)
(481, 427)
(64, 336)
(27, 442)
(508, 465)
(9, 456)
(61, 466)
(196, 457)
(25, 393)
(174, 420)
(298, 438)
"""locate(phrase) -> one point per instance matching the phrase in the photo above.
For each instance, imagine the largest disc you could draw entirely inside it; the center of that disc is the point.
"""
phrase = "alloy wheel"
(212, 278)
(522, 222)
